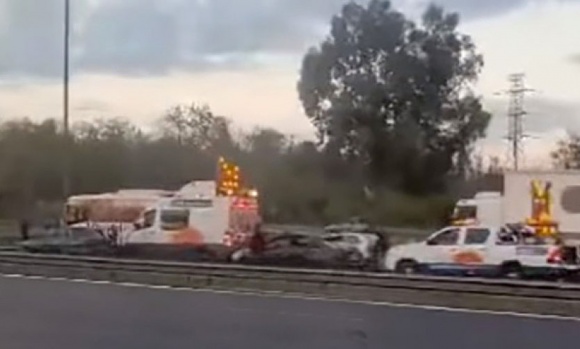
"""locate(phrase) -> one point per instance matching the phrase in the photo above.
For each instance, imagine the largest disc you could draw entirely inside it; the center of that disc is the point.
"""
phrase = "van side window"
(174, 219)
(476, 236)
(445, 238)
(149, 218)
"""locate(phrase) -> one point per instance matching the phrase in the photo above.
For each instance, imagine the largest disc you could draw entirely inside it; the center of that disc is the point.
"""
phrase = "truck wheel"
(512, 270)
(406, 267)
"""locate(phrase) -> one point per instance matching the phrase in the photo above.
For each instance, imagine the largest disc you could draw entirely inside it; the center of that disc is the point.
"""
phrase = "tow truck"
(533, 247)
(513, 251)
(216, 216)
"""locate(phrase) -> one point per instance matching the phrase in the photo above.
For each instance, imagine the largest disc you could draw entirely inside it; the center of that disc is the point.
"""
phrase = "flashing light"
(228, 181)
(541, 218)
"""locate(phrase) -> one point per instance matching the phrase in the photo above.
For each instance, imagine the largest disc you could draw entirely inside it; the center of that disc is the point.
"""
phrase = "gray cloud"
(92, 105)
(146, 37)
(574, 58)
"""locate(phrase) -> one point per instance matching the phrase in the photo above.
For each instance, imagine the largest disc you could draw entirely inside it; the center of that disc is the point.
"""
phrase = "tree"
(395, 96)
(567, 153)
(197, 126)
(103, 155)
(300, 182)
(28, 153)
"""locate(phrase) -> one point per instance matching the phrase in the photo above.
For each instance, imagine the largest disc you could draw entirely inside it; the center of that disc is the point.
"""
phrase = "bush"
(386, 208)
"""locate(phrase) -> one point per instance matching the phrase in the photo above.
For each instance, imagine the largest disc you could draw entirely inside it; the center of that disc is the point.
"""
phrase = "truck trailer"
(520, 201)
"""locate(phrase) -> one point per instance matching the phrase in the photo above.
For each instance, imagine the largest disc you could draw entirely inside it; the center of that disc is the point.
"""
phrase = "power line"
(516, 114)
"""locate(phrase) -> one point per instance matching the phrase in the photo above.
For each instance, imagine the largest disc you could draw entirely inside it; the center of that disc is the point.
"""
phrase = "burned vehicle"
(71, 240)
(367, 245)
(296, 250)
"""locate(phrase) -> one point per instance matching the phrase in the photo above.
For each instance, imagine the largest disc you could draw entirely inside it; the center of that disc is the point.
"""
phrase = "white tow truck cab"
(480, 250)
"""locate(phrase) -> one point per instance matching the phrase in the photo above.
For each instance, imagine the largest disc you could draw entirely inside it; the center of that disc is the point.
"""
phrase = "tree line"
(392, 102)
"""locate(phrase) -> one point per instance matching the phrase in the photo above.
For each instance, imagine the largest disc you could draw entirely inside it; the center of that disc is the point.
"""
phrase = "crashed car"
(365, 243)
(296, 250)
(77, 240)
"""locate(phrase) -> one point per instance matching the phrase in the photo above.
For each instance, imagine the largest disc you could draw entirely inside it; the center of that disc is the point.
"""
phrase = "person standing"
(257, 241)
(24, 229)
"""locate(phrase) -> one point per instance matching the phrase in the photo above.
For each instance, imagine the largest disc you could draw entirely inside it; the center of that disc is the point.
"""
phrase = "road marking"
(287, 295)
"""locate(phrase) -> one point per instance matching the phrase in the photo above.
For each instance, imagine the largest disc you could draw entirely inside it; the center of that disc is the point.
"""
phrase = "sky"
(136, 58)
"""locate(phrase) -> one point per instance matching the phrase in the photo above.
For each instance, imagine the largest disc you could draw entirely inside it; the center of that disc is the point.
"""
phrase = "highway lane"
(66, 315)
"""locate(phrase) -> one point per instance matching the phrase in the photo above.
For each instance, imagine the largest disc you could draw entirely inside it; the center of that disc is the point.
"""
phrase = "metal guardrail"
(499, 295)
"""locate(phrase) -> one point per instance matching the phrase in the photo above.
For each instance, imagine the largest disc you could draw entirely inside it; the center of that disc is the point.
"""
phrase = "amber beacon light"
(228, 181)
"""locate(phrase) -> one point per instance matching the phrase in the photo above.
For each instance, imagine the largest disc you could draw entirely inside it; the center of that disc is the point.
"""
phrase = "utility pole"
(67, 143)
(516, 113)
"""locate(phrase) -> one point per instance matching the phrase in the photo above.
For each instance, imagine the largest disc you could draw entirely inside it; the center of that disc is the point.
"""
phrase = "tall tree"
(395, 95)
(567, 153)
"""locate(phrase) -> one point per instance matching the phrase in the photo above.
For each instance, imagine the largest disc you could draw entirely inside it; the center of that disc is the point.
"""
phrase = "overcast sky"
(135, 58)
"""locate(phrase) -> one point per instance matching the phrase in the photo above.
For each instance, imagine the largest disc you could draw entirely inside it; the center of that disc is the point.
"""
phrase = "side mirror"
(430, 243)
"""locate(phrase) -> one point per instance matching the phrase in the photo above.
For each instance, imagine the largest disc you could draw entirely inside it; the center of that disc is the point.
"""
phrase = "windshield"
(463, 212)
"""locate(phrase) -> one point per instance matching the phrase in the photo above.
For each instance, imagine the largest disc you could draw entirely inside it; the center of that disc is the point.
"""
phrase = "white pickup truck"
(481, 250)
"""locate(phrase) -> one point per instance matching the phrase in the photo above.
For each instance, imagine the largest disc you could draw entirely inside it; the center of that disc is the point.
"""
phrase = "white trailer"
(565, 193)
(515, 203)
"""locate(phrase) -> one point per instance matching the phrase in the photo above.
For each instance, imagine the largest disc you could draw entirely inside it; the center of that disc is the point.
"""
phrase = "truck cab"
(484, 208)
(506, 251)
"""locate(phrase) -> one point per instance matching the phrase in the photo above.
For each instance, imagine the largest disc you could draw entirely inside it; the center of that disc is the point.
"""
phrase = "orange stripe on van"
(188, 236)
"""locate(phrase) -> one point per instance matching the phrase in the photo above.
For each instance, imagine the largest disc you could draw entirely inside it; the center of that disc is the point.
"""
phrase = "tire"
(407, 267)
(512, 270)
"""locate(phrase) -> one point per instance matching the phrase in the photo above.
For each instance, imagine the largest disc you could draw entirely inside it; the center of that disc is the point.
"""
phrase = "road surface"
(60, 314)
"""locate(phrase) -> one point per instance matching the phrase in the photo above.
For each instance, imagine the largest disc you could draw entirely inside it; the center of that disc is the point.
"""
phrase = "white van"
(212, 223)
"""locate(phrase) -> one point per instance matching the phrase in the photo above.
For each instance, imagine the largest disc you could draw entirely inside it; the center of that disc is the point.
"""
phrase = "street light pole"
(66, 162)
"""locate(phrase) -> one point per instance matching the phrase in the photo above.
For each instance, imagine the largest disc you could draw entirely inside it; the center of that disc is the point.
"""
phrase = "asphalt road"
(59, 314)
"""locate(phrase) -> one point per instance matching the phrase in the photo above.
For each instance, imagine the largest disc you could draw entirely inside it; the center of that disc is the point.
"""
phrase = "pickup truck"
(484, 251)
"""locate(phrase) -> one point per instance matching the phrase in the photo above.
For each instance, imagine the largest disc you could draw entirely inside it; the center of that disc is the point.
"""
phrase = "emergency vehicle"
(215, 215)
(509, 251)
(546, 199)
(196, 218)
(480, 241)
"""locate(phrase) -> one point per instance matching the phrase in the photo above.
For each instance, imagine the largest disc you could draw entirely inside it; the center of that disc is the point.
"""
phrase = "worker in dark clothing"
(24, 229)
(113, 235)
(257, 241)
